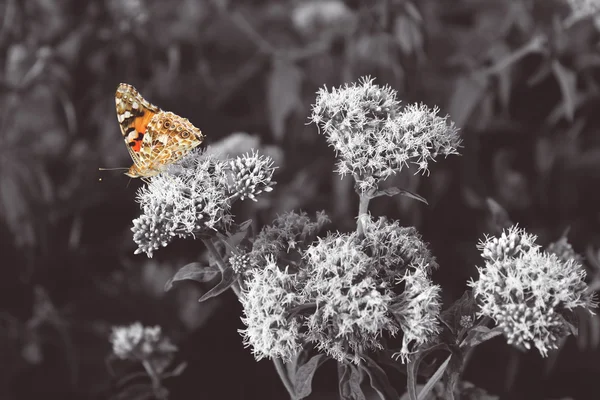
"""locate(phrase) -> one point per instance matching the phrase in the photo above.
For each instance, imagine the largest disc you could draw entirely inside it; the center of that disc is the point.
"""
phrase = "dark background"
(518, 78)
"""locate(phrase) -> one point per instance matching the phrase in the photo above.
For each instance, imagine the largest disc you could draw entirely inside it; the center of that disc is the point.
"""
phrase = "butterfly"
(154, 138)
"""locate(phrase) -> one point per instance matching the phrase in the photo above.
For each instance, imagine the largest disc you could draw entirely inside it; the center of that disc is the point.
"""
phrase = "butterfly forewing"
(154, 137)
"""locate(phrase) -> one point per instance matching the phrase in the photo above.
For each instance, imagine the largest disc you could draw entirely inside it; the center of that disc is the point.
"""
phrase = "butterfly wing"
(167, 139)
(133, 114)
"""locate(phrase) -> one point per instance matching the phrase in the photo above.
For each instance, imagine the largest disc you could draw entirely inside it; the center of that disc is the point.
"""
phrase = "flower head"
(189, 198)
(364, 287)
(374, 137)
(138, 343)
(529, 292)
(269, 296)
(343, 293)
(251, 175)
(289, 232)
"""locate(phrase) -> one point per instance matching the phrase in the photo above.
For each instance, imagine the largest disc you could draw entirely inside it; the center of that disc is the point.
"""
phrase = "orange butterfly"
(154, 138)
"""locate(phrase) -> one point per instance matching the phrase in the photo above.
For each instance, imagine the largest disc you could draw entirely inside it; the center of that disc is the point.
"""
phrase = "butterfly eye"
(185, 134)
(166, 124)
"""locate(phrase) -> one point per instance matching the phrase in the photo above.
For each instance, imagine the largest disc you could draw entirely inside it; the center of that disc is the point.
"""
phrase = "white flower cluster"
(194, 196)
(138, 343)
(252, 174)
(344, 294)
(529, 292)
(374, 137)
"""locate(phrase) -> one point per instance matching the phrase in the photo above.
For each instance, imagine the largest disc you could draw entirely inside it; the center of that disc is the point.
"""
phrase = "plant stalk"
(210, 246)
(283, 376)
(363, 208)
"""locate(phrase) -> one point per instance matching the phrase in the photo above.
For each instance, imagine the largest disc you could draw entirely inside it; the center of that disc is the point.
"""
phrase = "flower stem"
(210, 246)
(159, 390)
(363, 208)
(284, 377)
(236, 288)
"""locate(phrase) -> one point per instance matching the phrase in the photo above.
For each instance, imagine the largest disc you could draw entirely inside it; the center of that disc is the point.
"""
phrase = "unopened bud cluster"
(251, 175)
(528, 292)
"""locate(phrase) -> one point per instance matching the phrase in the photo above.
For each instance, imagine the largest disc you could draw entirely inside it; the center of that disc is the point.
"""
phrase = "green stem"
(284, 377)
(210, 246)
(236, 288)
(363, 208)
(159, 390)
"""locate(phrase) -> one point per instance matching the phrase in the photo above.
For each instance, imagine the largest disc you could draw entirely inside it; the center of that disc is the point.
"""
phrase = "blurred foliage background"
(519, 77)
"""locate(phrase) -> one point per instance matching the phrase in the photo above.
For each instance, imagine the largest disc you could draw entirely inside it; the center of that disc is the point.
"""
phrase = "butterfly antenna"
(112, 169)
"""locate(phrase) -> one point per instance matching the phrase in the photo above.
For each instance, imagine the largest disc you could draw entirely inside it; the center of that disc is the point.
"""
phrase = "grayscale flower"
(528, 292)
(374, 137)
(138, 343)
(251, 175)
(269, 295)
(189, 198)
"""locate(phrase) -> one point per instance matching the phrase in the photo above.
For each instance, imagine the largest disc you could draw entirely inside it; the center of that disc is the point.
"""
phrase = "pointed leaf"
(413, 368)
(194, 271)
(283, 94)
(567, 80)
(228, 278)
(465, 306)
(379, 381)
(392, 191)
(434, 379)
(482, 334)
(304, 375)
(349, 382)
(178, 370)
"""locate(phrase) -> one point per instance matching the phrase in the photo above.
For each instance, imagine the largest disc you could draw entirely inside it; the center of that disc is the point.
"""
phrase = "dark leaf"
(304, 375)
(283, 94)
(480, 335)
(349, 382)
(394, 191)
(228, 278)
(413, 368)
(463, 307)
(177, 371)
(434, 379)
(194, 271)
(499, 216)
(379, 381)
(567, 80)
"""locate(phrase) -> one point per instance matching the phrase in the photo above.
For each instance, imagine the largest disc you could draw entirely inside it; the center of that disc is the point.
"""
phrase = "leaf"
(567, 80)
(379, 380)
(178, 370)
(408, 35)
(413, 368)
(283, 94)
(465, 306)
(392, 191)
(466, 97)
(481, 335)
(499, 216)
(194, 271)
(228, 278)
(434, 379)
(304, 375)
(349, 382)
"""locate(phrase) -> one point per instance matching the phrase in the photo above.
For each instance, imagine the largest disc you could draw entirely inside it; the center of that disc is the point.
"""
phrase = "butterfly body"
(154, 138)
